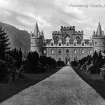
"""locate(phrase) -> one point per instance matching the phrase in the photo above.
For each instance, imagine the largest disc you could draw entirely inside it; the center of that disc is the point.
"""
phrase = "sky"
(51, 14)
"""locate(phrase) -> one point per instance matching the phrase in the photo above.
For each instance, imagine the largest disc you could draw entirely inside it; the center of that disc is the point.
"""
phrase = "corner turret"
(99, 39)
(37, 39)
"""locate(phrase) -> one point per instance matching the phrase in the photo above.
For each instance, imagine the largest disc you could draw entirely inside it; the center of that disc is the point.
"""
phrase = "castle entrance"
(67, 60)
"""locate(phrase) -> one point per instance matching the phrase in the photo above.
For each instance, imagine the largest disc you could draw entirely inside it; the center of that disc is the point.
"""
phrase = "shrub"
(94, 70)
(32, 63)
(51, 63)
(3, 71)
(15, 57)
(74, 63)
(60, 63)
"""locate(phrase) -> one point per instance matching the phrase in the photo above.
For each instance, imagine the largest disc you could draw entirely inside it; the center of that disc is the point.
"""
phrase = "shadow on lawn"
(10, 89)
(98, 85)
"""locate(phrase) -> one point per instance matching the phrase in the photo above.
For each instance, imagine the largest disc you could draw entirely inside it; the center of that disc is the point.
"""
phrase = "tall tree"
(4, 43)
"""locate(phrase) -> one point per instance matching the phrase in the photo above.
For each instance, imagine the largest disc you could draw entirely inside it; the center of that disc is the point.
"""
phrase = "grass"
(9, 89)
(97, 83)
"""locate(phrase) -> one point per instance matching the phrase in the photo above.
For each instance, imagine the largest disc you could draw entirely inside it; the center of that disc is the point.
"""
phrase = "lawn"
(9, 89)
(94, 81)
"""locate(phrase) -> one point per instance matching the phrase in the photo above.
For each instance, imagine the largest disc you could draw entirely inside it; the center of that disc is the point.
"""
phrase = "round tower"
(98, 39)
(37, 40)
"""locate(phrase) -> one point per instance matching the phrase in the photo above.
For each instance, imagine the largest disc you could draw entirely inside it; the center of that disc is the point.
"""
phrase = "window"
(91, 52)
(90, 43)
(67, 51)
(95, 42)
(74, 44)
(59, 52)
(59, 59)
(78, 40)
(59, 44)
(52, 51)
(83, 51)
(75, 51)
(51, 44)
(67, 44)
(44, 51)
(82, 44)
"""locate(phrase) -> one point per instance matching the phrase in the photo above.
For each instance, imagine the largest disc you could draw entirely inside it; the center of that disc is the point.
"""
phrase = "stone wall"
(70, 53)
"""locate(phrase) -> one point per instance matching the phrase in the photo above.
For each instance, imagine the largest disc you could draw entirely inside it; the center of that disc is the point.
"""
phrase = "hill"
(18, 38)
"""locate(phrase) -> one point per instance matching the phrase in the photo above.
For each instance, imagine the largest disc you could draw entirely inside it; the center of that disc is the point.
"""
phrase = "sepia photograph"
(52, 52)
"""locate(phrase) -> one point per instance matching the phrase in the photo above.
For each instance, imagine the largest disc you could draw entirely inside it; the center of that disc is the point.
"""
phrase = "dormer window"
(59, 44)
(67, 39)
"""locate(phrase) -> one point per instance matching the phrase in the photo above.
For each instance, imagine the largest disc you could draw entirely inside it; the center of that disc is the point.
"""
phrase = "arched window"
(59, 44)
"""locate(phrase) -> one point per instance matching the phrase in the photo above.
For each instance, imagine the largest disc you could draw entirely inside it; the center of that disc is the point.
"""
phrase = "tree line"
(12, 62)
(92, 64)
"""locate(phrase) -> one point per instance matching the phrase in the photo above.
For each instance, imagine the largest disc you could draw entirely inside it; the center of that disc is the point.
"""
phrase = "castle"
(67, 44)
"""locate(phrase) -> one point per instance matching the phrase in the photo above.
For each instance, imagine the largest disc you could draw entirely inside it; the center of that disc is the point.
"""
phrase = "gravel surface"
(63, 88)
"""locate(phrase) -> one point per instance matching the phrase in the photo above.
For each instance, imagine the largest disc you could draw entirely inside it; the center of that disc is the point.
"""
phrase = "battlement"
(56, 33)
(67, 28)
(79, 32)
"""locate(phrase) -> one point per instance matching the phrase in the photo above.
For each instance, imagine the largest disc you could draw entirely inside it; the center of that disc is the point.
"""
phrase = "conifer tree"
(4, 44)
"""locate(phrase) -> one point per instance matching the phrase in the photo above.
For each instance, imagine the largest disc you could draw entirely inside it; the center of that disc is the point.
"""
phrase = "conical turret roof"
(36, 30)
(99, 30)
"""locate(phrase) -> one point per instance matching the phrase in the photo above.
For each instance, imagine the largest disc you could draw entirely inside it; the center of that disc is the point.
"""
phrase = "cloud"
(4, 13)
(50, 14)
(4, 3)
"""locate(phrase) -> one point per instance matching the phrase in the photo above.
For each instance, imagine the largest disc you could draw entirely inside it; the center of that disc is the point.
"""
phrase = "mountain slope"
(18, 38)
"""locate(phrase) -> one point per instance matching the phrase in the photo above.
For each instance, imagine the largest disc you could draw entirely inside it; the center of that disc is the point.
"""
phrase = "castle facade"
(67, 44)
